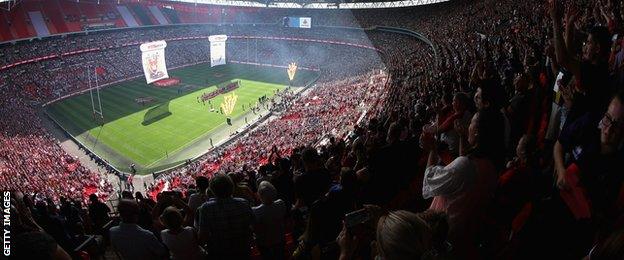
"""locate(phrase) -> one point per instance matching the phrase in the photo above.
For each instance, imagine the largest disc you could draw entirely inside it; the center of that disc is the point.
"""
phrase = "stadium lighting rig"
(9, 4)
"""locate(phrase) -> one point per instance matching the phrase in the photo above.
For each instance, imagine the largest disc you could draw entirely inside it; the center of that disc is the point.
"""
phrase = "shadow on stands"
(95, 246)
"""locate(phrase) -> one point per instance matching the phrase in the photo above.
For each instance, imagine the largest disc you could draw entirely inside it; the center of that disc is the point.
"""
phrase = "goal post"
(96, 109)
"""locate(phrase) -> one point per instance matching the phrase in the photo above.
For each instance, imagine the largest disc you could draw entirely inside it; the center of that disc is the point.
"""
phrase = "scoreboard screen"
(297, 22)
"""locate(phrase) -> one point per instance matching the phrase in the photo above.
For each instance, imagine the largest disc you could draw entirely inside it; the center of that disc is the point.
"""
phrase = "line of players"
(254, 109)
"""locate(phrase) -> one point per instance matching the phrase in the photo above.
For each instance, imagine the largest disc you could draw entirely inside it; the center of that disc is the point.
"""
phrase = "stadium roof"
(8, 4)
(315, 4)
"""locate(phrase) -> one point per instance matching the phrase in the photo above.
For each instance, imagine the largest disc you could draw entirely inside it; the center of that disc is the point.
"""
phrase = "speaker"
(228, 121)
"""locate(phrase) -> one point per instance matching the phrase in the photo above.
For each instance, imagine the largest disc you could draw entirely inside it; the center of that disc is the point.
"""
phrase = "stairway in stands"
(35, 7)
(171, 14)
(141, 13)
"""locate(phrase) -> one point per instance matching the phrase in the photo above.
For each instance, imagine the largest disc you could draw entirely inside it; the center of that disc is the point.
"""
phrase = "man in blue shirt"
(132, 241)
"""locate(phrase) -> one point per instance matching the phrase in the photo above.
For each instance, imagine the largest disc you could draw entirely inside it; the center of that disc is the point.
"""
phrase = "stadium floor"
(175, 126)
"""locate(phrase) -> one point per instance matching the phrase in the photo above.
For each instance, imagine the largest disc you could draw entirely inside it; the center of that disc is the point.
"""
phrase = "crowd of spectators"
(115, 56)
(515, 167)
(328, 109)
(29, 149)
(534, 168)
(507, 143)
(32, 160)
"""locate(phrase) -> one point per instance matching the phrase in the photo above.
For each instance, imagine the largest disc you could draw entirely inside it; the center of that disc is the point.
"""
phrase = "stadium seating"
(5, 32)
(464, 141)
(19, 25)
(172, 15)
(57, 20)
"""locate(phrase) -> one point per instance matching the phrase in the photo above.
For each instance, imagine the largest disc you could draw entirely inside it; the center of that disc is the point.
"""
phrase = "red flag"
(575, 197)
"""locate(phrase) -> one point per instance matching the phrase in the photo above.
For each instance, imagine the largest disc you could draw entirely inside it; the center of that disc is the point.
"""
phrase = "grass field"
(160, 134)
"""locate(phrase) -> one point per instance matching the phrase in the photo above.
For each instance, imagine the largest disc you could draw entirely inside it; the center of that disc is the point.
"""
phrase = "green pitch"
(174, 126)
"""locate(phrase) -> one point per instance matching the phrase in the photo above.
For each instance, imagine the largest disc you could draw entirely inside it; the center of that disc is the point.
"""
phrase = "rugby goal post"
(96, 109)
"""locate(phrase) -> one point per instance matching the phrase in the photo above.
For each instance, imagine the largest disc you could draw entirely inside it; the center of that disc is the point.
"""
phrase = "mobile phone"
(357, 217)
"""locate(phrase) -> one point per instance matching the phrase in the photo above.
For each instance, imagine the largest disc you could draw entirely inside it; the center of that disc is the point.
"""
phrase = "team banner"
(217, 49)
(153, 59)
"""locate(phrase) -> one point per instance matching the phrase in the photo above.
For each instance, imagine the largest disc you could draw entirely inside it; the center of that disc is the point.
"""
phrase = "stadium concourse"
(504, 141)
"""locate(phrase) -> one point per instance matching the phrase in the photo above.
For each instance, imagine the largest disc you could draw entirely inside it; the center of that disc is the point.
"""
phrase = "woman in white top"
(464, 188)
(181, 241)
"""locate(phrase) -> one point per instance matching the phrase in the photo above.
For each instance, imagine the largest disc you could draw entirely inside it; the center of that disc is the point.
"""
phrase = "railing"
(90, 246)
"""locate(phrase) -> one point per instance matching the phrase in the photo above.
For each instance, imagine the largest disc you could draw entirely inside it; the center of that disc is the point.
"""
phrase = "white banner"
(153, 59)
(217, 49)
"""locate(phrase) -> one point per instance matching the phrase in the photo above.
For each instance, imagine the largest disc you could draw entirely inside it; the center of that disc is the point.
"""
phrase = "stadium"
(312, 129)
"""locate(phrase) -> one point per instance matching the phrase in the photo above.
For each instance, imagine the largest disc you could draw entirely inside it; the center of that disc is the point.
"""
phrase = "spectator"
(393, 232)
(519, 183)
(146, 206)
(270, 221)
(600, 165)
(241, 189)
(592, 71)
(198, 198)
(326, 216)
(314, 182)
(36, 245)
(461, 115)
(518, 109)
(98, 212)
(283, 181)
(464, 188)
(225, 222)
(131, 241)
(401, 235)
(181, 241)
